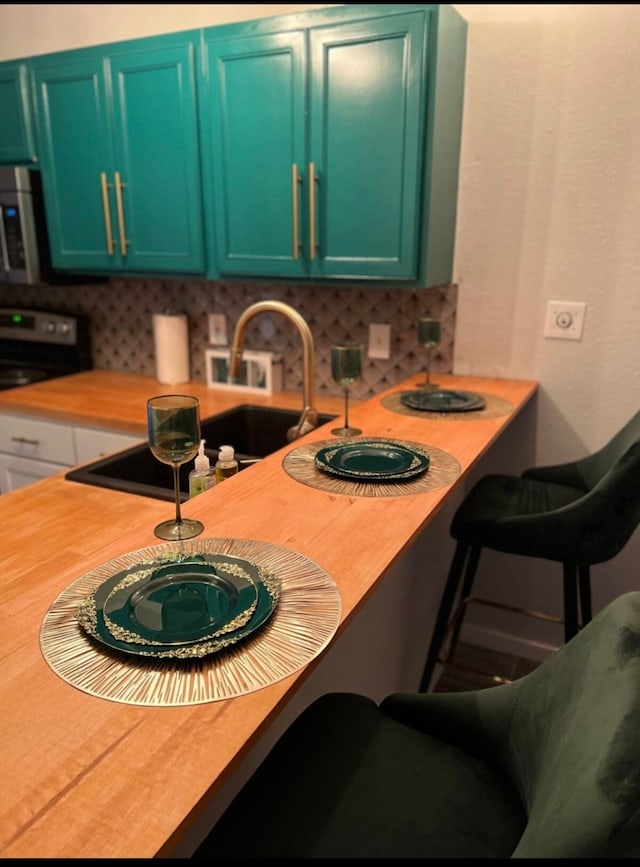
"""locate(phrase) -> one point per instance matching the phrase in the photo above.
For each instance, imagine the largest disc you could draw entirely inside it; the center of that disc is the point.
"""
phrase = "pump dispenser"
(202, 476)
(226, 465)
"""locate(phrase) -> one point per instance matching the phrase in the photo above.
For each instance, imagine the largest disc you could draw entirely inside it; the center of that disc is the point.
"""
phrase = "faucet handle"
(308, 421)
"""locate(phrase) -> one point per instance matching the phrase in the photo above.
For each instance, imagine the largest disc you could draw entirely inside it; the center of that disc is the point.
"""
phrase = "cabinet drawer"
(91, 444)
(32, 438)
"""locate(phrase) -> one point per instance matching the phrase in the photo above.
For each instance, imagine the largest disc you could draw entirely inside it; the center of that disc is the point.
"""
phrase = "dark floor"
(490, 667)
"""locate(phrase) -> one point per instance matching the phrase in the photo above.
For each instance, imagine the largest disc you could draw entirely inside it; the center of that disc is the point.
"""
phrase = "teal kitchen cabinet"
(17, 131)
(118, 135)
(331, 144)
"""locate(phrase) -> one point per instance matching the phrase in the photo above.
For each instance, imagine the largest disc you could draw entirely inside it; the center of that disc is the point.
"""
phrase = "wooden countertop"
(107, 399)
(88, 778)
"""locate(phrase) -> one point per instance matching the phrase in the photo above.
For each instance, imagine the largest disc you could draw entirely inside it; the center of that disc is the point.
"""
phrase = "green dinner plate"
(443, 400)
(91, 618)
(180, 603)
(375, 460)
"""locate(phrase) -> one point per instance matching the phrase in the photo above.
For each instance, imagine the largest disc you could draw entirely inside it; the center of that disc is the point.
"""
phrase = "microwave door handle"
(4, 252)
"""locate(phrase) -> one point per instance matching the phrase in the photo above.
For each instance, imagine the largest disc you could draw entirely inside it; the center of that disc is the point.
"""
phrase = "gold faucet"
(309, 417)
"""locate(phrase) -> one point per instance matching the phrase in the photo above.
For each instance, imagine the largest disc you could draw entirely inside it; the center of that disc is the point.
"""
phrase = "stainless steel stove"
(36, 345)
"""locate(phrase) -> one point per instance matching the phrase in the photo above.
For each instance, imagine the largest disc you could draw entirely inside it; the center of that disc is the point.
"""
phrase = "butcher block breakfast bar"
(110, 755)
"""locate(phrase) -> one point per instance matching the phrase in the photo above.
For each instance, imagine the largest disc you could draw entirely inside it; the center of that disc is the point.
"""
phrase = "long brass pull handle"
(312, 211)
(107, 212)
(294, 209)
(123, 235)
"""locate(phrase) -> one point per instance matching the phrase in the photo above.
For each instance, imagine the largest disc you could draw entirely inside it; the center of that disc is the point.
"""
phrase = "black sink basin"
(253, 431)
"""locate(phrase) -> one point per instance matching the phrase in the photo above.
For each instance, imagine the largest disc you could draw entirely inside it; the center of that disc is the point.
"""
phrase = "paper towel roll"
(171, 342)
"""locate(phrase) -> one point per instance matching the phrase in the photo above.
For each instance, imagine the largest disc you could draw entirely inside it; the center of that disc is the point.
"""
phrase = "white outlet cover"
(565, 319)
(217, 329)
(379, 340)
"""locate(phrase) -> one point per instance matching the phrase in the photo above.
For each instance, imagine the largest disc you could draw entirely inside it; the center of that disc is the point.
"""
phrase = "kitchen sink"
(253, 431)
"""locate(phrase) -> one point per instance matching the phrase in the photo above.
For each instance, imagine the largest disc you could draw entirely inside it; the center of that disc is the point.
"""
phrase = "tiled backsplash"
(120, 312)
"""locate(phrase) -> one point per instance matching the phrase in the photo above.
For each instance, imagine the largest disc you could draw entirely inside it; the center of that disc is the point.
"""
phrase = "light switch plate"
(379, 341)
(565, 319)
(217, 329)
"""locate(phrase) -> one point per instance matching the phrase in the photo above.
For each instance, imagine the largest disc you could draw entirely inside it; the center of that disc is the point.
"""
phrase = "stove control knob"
(63, 328)
(49, 326)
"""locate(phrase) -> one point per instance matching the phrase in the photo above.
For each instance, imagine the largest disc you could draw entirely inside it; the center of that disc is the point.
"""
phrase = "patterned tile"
(120, 311)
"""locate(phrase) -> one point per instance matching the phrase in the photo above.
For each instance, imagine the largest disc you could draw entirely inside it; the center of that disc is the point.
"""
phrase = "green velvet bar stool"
(544, 767)
(576, 514)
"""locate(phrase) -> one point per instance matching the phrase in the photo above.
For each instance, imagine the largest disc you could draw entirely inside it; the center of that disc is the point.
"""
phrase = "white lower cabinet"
(92, 443)
(32, 449)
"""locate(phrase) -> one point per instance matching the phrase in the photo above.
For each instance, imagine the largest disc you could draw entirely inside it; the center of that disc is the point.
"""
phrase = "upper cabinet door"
(157, 160)
(17, 138)
(367, 93)
(254, 116)
(119, 159)
(76, 159)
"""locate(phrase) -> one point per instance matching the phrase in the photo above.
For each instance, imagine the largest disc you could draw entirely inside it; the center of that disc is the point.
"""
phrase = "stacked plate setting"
(443, 400)
(375, 459)
(180, 606)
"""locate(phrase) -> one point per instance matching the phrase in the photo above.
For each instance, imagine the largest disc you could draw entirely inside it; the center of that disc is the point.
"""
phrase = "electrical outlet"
(565, 319)
(217, 329)
(379, 341)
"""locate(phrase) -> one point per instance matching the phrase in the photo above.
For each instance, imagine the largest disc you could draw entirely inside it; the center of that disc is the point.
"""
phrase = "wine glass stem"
(346, 407)
(428, 369)
(176, 491)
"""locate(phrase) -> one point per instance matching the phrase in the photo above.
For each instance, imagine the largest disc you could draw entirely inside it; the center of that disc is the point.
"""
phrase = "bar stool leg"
(446, 604)
(584, 585)
(570, 600)
(467, 584)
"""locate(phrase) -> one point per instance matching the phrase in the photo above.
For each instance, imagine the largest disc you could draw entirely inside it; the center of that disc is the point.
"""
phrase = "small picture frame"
(260, 372)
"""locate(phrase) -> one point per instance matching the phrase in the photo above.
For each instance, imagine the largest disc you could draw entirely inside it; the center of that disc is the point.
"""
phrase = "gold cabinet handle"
(312, 211)
(123, 235)
(107, 212)
(294, 209)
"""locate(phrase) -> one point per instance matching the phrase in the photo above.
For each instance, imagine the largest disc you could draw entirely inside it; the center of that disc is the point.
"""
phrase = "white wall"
(549, 208)
(41, 28)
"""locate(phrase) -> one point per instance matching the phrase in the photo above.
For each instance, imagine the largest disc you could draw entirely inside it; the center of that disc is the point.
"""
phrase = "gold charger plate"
(304, 622)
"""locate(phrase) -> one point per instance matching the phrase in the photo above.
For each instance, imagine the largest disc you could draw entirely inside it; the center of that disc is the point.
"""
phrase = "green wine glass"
(346, 369)
(429, 335)
(173, 423)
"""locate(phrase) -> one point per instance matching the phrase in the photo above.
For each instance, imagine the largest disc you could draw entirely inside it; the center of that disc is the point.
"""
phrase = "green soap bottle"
(202, 476)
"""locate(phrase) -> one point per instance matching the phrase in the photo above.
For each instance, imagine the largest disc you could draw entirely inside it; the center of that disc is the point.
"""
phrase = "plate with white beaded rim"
(90, 616)
(180, 603)
(374, 459)
(443, 400)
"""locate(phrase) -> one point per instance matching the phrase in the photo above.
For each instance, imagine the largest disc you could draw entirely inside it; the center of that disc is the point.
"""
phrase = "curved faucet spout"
(309, 417)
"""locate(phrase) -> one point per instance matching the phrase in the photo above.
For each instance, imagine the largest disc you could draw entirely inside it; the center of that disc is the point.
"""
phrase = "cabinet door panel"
(366, 121)
(156, 142)
(75, 149)
(17, 139)
(257, 128)
(17, 472)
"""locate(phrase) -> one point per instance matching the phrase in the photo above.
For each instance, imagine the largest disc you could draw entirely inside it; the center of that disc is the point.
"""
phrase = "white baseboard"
(505, 643)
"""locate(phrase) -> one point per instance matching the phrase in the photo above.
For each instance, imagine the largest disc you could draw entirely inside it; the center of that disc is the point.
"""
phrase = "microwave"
(24, 254)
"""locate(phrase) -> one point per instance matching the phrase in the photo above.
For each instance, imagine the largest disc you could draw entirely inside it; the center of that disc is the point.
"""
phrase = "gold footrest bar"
(528, 612)
(496, 678)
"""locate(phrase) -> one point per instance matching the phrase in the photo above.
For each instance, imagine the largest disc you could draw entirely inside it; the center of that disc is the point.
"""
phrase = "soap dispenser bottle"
(202, 476)
(226, 465)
